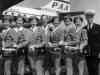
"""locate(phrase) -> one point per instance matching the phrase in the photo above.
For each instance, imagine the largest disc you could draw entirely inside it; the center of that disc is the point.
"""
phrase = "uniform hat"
(90, 13)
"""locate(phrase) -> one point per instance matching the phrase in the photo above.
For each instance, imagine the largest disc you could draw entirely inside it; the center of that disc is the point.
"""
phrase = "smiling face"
(67, 21)
(19, 20)
(90, 19)
(13, 24)
(44, 19)
(56, 21)
(34, 21)
(78, 21)
(6, 22)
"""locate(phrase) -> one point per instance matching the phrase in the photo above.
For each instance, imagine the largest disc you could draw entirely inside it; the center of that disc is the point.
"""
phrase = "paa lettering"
(60, 5)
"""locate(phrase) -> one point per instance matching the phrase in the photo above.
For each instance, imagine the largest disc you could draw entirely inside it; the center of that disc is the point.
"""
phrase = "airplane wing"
(29, 11)
(51, 9)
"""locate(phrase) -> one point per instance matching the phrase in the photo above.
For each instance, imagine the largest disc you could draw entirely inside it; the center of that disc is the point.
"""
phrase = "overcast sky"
(75, 5)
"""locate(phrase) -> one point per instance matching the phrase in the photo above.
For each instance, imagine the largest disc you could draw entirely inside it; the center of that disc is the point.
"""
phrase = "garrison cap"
(90, 13)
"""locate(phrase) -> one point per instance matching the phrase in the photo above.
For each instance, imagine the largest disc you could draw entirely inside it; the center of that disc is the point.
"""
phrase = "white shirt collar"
(90, 26)
(33, 29)
(21, 29)
(6, 29)
(16, 29)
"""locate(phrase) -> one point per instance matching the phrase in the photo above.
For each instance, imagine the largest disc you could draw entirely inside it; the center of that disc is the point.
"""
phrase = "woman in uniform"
(82, 37)
(37, 41)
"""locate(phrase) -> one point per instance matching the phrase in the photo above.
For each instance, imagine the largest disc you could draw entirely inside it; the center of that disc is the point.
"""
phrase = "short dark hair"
(55, 18)
(78, 17)
(42, 16)
(21, 18)
(68, 17)
(14, 18)
(37, 19)
(32, 18)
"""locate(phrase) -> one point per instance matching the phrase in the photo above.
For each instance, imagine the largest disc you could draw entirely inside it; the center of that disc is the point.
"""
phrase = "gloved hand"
(99, 55)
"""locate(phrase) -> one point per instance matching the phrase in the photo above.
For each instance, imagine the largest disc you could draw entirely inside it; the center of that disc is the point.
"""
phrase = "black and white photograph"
(49, 37)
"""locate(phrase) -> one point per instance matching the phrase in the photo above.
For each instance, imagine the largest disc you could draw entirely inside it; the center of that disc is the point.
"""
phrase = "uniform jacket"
(24, 36)
(10, 37)
(38, 36)
(94, 39)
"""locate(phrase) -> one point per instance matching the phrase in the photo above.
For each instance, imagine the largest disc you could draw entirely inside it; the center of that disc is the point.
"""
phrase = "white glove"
(99, 56)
